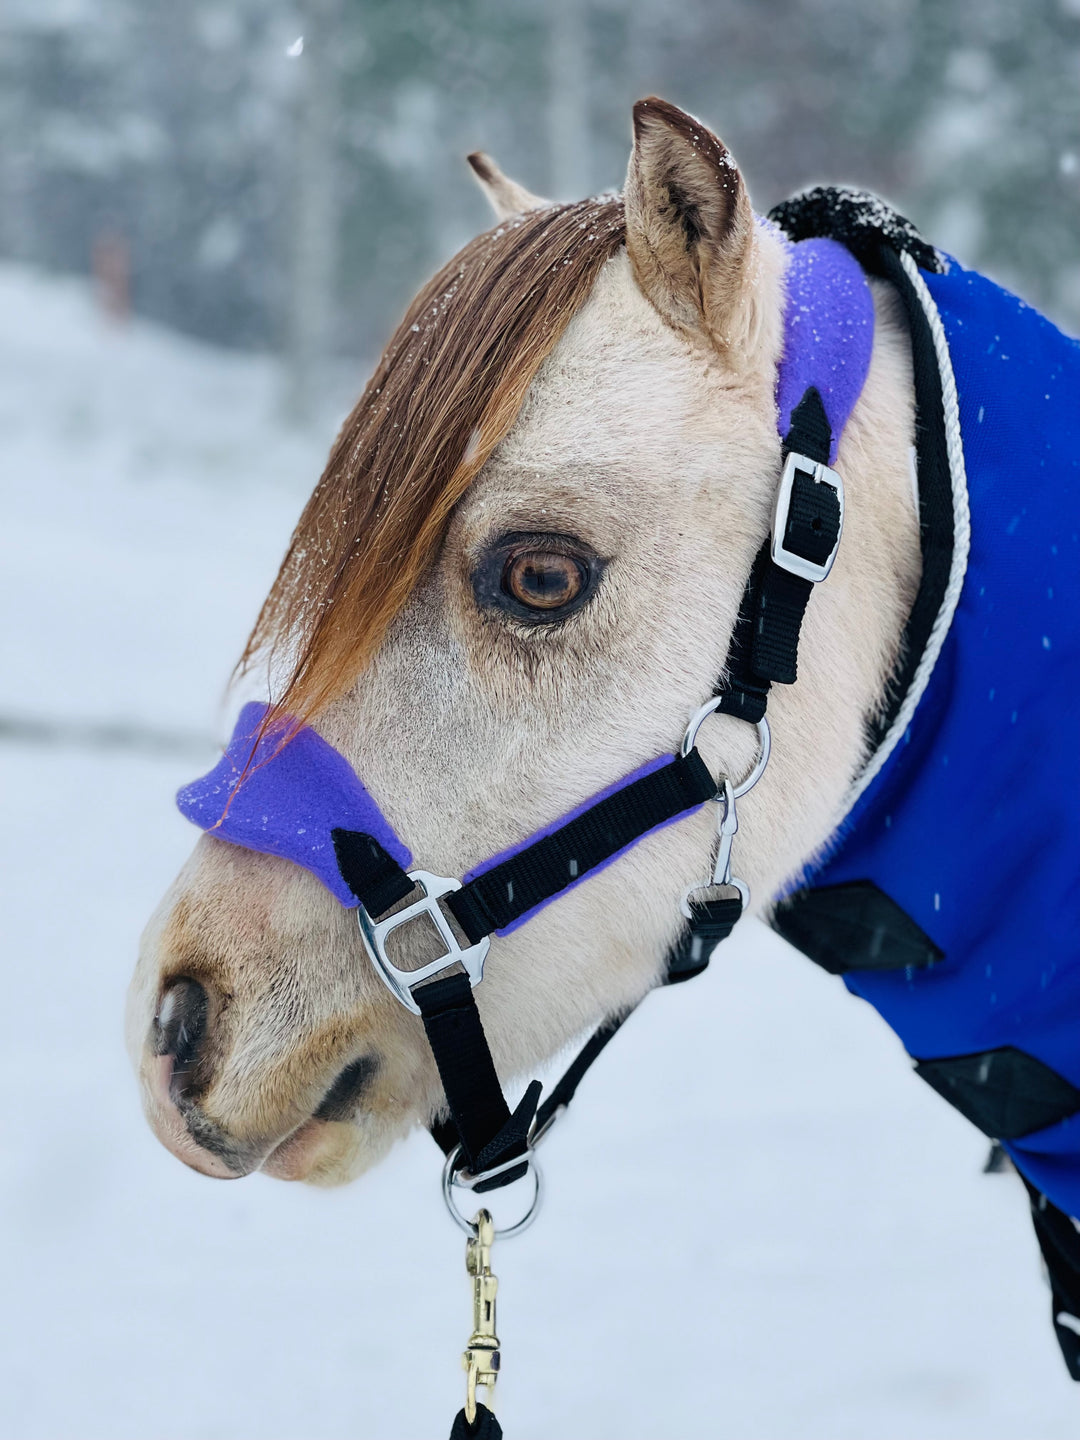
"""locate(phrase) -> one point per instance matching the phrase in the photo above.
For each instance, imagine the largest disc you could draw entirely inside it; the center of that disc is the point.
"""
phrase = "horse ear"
(507, 198)
(689, 226)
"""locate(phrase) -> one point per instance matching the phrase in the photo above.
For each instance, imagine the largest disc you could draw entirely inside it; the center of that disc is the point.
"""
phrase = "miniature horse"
(523, 569)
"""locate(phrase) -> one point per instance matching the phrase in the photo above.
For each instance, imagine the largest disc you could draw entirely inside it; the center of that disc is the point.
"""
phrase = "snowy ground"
(759, 1224)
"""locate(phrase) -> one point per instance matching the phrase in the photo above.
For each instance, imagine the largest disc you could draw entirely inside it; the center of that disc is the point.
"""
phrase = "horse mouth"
(298, 1155)
(207, 1147)
(295, 1157)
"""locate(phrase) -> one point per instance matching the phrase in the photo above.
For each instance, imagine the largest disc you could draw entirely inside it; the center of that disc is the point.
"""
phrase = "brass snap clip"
(481, 1358)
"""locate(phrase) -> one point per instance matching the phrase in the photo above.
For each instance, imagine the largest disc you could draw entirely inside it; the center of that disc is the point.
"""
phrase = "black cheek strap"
(508, 891)
(765, 643)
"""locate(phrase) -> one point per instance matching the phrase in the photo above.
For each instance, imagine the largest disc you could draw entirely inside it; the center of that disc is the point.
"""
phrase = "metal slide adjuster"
(797, 464)
(401, 983)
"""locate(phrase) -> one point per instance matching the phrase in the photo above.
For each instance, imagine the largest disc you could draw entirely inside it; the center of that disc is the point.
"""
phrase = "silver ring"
(764, 741)
(528, 1159)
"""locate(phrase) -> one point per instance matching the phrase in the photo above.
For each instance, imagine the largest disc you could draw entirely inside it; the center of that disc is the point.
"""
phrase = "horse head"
(517, 578)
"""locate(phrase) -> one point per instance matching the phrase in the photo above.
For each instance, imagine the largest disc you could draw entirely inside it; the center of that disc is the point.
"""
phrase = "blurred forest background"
(221, 175)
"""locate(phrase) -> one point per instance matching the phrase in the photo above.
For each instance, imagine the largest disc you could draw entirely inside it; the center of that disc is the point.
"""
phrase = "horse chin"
(329, 1152)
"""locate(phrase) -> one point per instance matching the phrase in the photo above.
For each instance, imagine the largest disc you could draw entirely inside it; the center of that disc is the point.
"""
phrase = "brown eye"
(536, 577)
(543, 579)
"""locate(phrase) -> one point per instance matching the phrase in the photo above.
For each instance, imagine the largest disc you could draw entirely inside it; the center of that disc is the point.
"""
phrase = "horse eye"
(543, 579)
(536, 578)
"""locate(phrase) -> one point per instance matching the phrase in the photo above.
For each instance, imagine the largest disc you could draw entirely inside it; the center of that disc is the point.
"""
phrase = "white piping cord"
(954, 446)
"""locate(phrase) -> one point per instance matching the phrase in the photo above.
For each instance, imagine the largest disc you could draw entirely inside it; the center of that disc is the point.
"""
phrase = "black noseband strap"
(489, 1134)
(374, 877)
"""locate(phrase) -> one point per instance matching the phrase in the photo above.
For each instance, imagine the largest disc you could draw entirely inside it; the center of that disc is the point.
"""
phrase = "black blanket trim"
(1058, 1235)
(854, 926)
(859, 219)
(1006, 1092)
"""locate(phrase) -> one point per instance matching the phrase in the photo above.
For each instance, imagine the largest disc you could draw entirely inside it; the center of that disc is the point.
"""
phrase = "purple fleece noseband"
(285, 796)
(295, 791)
(284, 792)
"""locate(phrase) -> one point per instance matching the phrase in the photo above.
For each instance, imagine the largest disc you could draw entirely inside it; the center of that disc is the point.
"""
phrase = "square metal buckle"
(787, 559)
(400, 982)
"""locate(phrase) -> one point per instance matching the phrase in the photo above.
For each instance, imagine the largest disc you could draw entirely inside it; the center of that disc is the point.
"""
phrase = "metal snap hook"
(727, 825)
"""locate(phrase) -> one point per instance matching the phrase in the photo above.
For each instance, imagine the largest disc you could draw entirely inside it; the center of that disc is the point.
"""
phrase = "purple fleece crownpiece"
(293, 795)
(828, 333)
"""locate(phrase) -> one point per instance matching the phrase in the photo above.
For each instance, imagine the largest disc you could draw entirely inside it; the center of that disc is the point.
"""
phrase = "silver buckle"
(401, 983)
(787, 559)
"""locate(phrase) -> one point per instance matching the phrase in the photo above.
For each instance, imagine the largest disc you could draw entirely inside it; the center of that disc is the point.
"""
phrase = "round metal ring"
(764, 741)
(469, 1228)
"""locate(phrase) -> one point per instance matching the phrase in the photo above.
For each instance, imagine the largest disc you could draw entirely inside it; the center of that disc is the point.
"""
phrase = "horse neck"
(852, 632)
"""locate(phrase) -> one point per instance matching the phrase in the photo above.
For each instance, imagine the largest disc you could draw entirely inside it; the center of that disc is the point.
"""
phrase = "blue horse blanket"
(972, 825)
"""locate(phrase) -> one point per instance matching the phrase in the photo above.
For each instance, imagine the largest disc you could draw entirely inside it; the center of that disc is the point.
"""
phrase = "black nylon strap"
(488, 1132)
(480, 1119)
(374, 877)
(710, 922)
(809, 433)
(566, 1089)
(765, 642)
(781, 602)
(506, 892)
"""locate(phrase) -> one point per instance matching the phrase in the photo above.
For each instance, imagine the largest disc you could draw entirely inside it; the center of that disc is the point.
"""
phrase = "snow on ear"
(690, 230)
(506, 196)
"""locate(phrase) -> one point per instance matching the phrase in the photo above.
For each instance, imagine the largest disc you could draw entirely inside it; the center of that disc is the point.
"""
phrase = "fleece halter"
(291, 794)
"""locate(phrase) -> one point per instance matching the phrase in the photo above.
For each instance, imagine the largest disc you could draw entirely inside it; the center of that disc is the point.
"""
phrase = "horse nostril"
(340, 1100)
(180, 1023)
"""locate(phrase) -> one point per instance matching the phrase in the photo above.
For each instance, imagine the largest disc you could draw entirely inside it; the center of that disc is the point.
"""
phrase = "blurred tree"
(295, 201)
(313, 203)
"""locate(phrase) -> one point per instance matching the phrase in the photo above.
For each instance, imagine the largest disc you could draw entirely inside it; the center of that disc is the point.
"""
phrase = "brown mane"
(447, 389)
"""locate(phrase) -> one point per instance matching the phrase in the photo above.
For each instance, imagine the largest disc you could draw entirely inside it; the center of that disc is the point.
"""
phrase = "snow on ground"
(759, 1224)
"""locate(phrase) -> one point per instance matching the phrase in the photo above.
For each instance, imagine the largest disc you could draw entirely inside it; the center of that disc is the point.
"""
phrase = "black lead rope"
(484, 1427)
